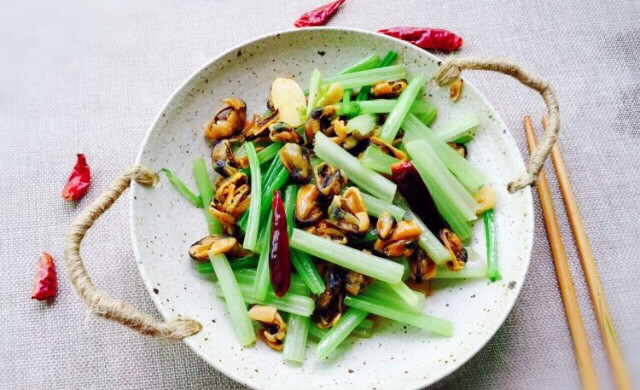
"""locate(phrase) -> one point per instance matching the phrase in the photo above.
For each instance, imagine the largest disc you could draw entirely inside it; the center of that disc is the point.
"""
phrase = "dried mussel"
(396, 239)
(328, 230)
(457, 251)
(421, 267)
(216, 243)
(231, 199)
(296, 159)
(228, 120)
(259, 126)
(222, 159)
(349, 213)
(308, 210)
(388, 148)
(355, 282)
(388, 89)
(329, 304)
(274, 328)
(329, 179)
(324, 119)
(282, 132)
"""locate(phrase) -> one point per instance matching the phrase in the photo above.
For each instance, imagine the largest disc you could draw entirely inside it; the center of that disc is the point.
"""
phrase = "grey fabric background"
(79, 76)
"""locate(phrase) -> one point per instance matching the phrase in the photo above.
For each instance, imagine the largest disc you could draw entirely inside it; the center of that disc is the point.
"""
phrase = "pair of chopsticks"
(572, 310)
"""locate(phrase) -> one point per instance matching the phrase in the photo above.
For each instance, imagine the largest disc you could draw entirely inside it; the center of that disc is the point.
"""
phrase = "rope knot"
(448, 72)
(142, 175)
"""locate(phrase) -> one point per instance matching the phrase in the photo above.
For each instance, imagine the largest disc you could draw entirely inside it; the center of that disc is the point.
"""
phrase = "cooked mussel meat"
(216, 243)
(308, 210)
(388, 89)
(329, 304)
(457, 251)
(296, 159)
(399, 240)
(274, 328)
(222, 159)
(282, 132)
(228, 120)
(329, 179)
(349, 213)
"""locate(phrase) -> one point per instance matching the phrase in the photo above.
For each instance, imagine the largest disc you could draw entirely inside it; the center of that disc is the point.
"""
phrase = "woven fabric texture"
(80, 76)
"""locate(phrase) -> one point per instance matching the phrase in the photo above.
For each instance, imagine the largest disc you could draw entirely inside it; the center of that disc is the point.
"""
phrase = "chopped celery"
(269, 152)
(344, 256)
(262, 281)
(339, 332)
(253, 220)
(367, 77)
(376, 159)
(429, 242)
(290, 196)
(230, 289)
(392, 125)
(412, 298)
(448, 194)
(470, 176)
(460, 130)
(203, 181)
(427, 116)
(385, 106)
(248, 276)
(383, 309)
(366, 63)
(383, 292)
(277, 179)
(371, 236)
(346, 96)
(363, 330)
(243, 262)
(290, 303)
(387, 60)
(182, 188)
(314, 85)
(376, 206)
(492, 246)
(366, 179)
(295, 344)
(470, 270)
(304, 266)
(363, 123)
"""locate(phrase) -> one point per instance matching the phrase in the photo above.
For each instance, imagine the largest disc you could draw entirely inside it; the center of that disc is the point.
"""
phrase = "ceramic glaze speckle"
(163, 225)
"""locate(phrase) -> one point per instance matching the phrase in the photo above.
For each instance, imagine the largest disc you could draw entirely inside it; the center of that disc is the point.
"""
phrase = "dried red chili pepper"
(46, 282)
(279, 257)
(426, 38)
(411, 186)
(319, 16)
(79, 180)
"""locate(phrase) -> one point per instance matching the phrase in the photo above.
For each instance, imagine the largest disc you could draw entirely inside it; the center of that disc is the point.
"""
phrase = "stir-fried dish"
(336, 205)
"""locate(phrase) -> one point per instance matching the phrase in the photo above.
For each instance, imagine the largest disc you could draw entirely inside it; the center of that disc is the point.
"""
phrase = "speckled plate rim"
(167, 315)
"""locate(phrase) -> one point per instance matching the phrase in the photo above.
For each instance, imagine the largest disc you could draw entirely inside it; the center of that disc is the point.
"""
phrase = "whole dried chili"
(79, 180)
(426, 38)
(279, 256)
(319, 16)
(46, 282)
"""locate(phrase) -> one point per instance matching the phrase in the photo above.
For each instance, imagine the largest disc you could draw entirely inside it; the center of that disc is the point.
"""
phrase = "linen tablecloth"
(82, 76)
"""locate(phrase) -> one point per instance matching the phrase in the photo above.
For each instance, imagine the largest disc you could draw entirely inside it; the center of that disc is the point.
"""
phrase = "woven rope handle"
(450, 71)
(98, 301)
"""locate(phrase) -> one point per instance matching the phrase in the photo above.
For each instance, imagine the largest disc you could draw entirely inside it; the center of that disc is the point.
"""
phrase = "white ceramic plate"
(163, 225)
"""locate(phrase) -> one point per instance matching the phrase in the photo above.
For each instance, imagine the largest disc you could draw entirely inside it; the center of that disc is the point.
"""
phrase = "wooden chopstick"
(571, 307)
(600, 307)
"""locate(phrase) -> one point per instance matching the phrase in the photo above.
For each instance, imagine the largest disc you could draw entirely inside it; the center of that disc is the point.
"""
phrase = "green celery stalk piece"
(182, 188)
(253, 220)
(344, 256)
(375, 159)
(230, 289)
(383, 309)
(468, 175)
(363, 124)
(203, 181)
(367, 77)
(392, 125)
(314, 86)
(366, 63)
(366, 179)
(263, 280)
(462, 129)
(376, 206)
(295, 344)
(290, 303)
(304, 266)
(339, 332)
(429, 242)
(492, 245)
